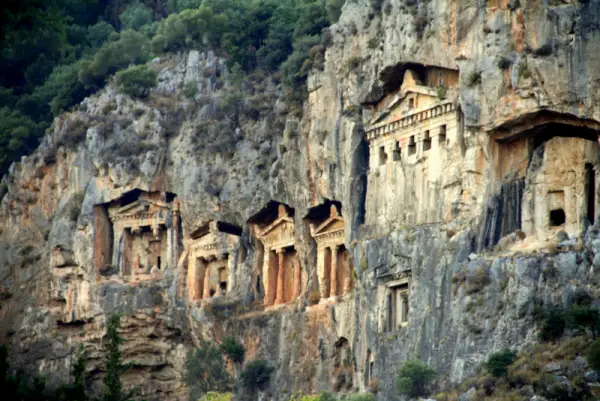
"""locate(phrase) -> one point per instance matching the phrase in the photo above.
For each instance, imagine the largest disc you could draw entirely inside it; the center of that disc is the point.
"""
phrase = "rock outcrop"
(457, 139)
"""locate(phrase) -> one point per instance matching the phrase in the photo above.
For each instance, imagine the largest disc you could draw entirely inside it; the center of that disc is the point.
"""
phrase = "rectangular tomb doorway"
(590, 180)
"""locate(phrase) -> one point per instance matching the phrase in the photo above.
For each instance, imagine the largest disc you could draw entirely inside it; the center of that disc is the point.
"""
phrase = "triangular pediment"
(330, 225)
(140, 206)
(400, 102)
(279, 225)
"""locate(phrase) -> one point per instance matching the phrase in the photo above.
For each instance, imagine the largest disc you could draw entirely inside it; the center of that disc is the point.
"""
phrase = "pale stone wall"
(410, 188)
(556, 180)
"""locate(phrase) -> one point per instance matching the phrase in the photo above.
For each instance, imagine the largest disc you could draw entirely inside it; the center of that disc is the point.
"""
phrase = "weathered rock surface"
(225, 156)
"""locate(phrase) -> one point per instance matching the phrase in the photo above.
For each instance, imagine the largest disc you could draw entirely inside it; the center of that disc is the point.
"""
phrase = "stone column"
(334, 273)
(267, 277)
(279, 298)
(206, 289)
(297, 279)
(200, 272)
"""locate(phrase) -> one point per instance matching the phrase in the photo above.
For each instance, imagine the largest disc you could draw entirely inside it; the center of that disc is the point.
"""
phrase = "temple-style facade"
(409, 135)
(334, 266)
(273, 227)
(211, 246)
(137, 235)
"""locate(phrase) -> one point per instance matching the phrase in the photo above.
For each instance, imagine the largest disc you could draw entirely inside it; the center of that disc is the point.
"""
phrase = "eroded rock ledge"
(441, 181)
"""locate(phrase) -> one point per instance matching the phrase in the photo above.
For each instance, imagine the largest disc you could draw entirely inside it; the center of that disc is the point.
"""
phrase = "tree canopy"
(54, 53)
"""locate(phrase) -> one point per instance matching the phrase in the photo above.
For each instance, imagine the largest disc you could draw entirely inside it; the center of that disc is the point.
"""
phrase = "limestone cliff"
(455, 139)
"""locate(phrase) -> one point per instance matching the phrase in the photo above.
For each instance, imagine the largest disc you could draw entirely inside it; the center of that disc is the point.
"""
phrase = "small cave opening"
(557, 217)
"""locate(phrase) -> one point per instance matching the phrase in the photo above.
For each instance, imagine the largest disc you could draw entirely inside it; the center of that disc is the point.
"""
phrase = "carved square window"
(397, 151)
(382, 156)
(397, 305)
(442, 137)
(426, 141)
(412, 146)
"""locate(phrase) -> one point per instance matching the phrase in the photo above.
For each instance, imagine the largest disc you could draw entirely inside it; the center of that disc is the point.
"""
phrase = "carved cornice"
(137, 216)
(413, 119)
(328, 235)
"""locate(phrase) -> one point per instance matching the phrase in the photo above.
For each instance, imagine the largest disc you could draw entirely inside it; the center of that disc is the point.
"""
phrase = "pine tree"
(78, 373)
(113, 388)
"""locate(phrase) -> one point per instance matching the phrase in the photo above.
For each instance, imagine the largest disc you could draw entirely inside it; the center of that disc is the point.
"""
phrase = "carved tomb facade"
(334, 266)
(281, 272)
(137, 234)
(211, 248)
(410, 136)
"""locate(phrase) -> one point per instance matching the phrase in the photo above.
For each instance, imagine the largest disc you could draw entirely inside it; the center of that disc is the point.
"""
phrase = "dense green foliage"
(593, 355)
(498, 363)
(414, 379)
(233, 349)
(19, 387)
(71, 48)
(206, 371)
(136, 80)
(583, 318)
(552, 322)
(256, 375)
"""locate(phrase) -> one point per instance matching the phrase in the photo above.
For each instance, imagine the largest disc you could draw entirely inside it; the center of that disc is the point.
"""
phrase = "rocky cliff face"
(474, 271)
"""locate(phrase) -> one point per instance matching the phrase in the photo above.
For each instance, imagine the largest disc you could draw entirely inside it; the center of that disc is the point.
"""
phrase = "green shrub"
(61, 91)
(583, 318)
(206, 371)
(136, 81)
(498, 363)
(592, 355)
(441, 92)
(414, 379)
(233, 349)
(373, 43)
(182, 31)
(256, 375)
(19, 135)
(131, 48)
(99, 33)
(474, 78)
(295, 69)
(334, 9)
(353, 63)
(190, 90)
(136, 15)
(216, 396)
(553, 323)
(359, 397)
